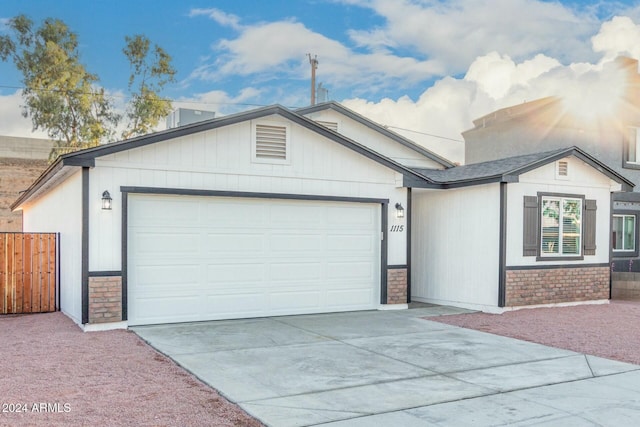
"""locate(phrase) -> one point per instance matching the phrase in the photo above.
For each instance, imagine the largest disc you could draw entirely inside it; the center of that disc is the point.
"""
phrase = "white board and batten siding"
(455, 248)
(582, 180)
(207, 258)
(60, 211)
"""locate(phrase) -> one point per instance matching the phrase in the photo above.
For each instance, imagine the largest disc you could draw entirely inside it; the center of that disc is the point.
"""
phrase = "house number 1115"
(397, 228)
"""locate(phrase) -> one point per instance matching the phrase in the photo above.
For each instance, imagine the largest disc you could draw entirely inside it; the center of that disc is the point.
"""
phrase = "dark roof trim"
(578, 153)
(86, 158)
(49, 173)
(376, 127)
(512, 175)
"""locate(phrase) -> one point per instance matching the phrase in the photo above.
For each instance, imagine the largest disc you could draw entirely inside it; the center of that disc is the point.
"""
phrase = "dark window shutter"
(589, 221)
(530, 226)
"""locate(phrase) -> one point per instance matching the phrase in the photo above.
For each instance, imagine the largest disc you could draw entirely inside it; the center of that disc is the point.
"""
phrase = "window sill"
(630, 165)
(560, 258)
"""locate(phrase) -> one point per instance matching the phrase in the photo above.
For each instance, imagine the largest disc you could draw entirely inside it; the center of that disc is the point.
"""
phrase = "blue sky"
(425, 65)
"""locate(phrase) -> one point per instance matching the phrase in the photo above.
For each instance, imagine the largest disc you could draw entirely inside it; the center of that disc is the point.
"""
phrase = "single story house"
(278, 212)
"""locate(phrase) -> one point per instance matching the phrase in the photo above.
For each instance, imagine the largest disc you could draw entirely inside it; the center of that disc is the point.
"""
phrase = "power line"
(244, 104)
(425, 133)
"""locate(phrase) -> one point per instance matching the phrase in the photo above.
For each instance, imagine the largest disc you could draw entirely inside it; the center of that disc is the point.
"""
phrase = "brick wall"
(548, 286)
(397, 286)
(105, 299)
(16, 175)
(625, 285)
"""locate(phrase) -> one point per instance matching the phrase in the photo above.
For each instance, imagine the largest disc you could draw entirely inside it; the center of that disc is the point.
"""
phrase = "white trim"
(273, 161)
(499, 310)
(110, 326)
(388, 307)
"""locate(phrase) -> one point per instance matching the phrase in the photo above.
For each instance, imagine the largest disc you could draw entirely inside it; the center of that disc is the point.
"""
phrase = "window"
(560, 226)
(624, 233)
(633, 145)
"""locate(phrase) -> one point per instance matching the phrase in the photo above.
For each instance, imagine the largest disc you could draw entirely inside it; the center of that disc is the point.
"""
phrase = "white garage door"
(206, 258)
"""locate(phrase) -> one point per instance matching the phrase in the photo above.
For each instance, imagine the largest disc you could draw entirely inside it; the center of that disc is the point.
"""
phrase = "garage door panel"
(357, 216)
(348, 298)
(149, 276)
(161, 243)
(250, 258)
(296, 242)
(305, 301)
(295, 215)
(296, 271)
(350, 243)
(145, 213)
(226, 306)
(234, 243)
(236, 214)
(229, 273)
(353, 270)
(159, 310)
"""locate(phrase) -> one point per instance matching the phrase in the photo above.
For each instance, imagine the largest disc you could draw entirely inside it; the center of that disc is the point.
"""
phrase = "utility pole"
(314, 65)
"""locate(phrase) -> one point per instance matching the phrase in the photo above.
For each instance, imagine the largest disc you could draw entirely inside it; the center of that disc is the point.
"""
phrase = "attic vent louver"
(563, 168)
(271, 142)
(331, 125)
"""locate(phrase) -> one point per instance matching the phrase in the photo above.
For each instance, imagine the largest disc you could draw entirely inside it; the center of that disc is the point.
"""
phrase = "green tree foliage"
(151, 70)
(64, 99)
(60, 95)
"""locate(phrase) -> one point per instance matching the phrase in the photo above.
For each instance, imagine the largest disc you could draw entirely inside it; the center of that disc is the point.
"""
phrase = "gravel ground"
(606, 330)
(64, 377)
(98, 378)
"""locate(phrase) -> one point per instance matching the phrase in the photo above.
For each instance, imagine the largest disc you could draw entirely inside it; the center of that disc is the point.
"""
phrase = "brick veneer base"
(397, 286)
(105, 299)
(556, 285)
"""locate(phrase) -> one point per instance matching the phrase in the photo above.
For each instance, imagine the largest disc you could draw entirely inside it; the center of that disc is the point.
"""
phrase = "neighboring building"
(22, 160)
(546, 124)
(276, 212)
(187, 116)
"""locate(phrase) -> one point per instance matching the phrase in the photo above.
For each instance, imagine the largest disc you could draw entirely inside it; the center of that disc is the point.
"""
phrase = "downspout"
(502, 257)
(85, 245)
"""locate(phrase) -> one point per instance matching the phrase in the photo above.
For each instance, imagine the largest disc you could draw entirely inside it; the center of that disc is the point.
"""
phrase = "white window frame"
(561, 201)
(623, 233)
(255, 158)
(633, 145)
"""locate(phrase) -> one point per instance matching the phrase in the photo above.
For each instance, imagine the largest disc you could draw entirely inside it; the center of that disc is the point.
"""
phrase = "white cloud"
(455, 32)
(619, 36)
(12, 123)
(222, 18)
(274, 50)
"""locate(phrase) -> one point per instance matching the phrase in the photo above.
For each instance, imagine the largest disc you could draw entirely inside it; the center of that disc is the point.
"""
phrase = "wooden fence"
(28, 273)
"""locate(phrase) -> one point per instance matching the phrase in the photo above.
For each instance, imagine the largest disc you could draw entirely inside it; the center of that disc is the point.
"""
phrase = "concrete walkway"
(393, 368)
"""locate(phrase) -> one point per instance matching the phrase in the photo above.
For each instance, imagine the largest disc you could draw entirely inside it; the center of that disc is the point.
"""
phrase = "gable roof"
(510, 168)
(332, 105)
(86, 157)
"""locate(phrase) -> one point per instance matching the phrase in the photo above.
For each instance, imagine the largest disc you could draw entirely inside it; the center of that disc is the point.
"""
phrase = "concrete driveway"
(390, 368)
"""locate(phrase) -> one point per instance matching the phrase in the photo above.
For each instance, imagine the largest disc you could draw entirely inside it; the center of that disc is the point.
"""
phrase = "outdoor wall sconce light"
(106, 201)
(399, 210)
